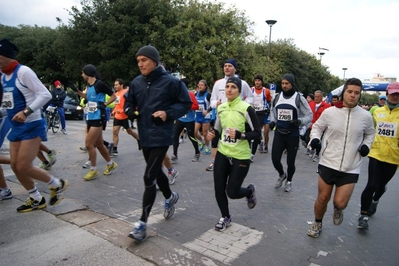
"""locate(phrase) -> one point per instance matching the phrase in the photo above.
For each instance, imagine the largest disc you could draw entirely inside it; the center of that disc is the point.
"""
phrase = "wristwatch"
(242, 135)
(27, 113)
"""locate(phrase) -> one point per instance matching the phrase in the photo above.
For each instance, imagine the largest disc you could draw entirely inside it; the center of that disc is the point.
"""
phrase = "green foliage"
(193, 37)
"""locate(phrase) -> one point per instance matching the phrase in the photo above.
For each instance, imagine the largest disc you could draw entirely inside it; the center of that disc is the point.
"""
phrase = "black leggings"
(280, 143)
(380, 173)
(154, 175)
(228, 176)
(179, 126)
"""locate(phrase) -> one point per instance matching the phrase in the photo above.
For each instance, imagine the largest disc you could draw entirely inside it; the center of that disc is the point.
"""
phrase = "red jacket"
(317, 114)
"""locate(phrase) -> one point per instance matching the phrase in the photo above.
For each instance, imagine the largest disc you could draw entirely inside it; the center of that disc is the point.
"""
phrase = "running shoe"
(260, 146)
(288, 186)
(56, 193)
(252, 158)
(63, 131)
(307, 151)
(32, 204)
(170, 206)
(174, 159)
(5, 194)
(280, 180)
(201, 146)
(210, 167)
(45, 166)
(86, 164)
(114, 153)
(181, 140)
(316, 158)
(196, 157)
(251, 200)
(83, 148)
(223, 224)
(91, 175)
(172, 176)
(363, 222)
(52, 157)
(373, 208)
(265, 149)
(315, 229)
(139, 231)
(207, 151)
(311, 153)
(338, 216)
(110, 168)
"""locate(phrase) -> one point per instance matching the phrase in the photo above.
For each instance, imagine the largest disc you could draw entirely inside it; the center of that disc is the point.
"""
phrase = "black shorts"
(124, 123)
(96, 123)
(334, 177)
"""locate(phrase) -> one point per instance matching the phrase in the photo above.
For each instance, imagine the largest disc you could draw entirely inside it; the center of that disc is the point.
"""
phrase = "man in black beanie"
(289, 110)
(156, 99)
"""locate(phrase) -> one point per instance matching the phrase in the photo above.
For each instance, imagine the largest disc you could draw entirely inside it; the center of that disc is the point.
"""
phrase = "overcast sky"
(361, 35)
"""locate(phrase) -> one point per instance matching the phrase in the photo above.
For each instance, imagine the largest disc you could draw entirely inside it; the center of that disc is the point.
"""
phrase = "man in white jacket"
(348, 135)
(218, 97)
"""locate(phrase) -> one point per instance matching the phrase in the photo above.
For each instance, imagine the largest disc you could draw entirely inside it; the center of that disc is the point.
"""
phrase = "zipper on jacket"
(346, 137)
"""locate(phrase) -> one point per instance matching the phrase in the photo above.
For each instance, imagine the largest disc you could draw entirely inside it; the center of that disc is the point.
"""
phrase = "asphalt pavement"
(90, 226)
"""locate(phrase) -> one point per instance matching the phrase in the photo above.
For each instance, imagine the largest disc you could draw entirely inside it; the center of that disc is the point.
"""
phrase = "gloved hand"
(101, 105)
(57, 97)
(296, 122)
(364, 150)
(72, 86)
(272, 125)
(157, 120)
(132, 114)
(315, 143)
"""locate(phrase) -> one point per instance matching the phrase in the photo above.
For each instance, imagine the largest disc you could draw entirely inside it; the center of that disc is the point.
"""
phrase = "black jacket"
(159, 91)
(58, 97)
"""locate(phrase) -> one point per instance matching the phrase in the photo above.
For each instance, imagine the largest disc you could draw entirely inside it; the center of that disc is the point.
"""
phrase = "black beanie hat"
(8, 49)
(290, 78)
(236, 81)
(150, 52)
(89, 70)
(311, 95)
(258, 76)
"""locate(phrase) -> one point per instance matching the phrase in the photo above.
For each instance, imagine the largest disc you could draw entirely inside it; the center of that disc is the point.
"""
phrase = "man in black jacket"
(156, 99)
(58, 100)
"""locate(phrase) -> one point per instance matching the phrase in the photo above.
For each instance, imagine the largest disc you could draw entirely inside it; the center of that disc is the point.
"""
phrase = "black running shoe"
(32, 204)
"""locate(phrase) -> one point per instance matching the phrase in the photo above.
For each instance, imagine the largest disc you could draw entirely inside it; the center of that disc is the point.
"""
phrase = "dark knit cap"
(236, 81)
(90, 70)
(290, 78)
(259, 76)
(150, 52)
(8, 49)
(311, 96)
(232, 61)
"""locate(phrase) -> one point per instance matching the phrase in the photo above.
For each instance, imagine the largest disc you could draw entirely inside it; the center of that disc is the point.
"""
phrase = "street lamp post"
(344, 69)
(321, 53)
(270, 23)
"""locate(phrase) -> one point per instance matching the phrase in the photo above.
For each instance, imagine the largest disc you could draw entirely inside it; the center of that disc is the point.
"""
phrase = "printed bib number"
(258, 108)
(201, 108)
(227, 139)
(92, 106)
(8, 100)
(284, 114)
(118, 100)
(387, 129)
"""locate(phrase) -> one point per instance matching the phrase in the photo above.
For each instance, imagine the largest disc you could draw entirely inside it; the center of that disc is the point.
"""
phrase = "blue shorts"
(263, 118)
(28, 131)
(200, 118)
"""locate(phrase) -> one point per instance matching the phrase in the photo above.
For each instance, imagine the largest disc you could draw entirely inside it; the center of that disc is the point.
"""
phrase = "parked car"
(72, 107)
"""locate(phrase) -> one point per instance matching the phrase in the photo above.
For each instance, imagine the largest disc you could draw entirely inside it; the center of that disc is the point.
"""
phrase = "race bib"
(387, 129)
(8, 100)
(118, 100)
(92, 106)
(201, 108)
(208, 115)
(226, 139)
(284, 114)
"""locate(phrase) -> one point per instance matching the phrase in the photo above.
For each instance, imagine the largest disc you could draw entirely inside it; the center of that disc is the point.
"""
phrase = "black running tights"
(280, 143)
(179, 126)
(380, 173)
(154, 175)
(228, 176)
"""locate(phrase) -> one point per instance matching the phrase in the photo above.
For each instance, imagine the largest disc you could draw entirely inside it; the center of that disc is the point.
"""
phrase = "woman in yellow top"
(384, 154)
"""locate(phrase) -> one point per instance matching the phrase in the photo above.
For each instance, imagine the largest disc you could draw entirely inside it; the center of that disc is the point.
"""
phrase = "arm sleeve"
(30, 80)
(194, 105)
(182, 104)
(273, 114)
(369, 132)
(306, 114)
(253, 131)
(246, 93)
(319, 127)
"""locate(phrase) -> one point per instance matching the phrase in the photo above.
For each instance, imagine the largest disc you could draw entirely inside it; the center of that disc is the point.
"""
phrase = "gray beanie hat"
(150, 52)
(290, 78)
(89, 70)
